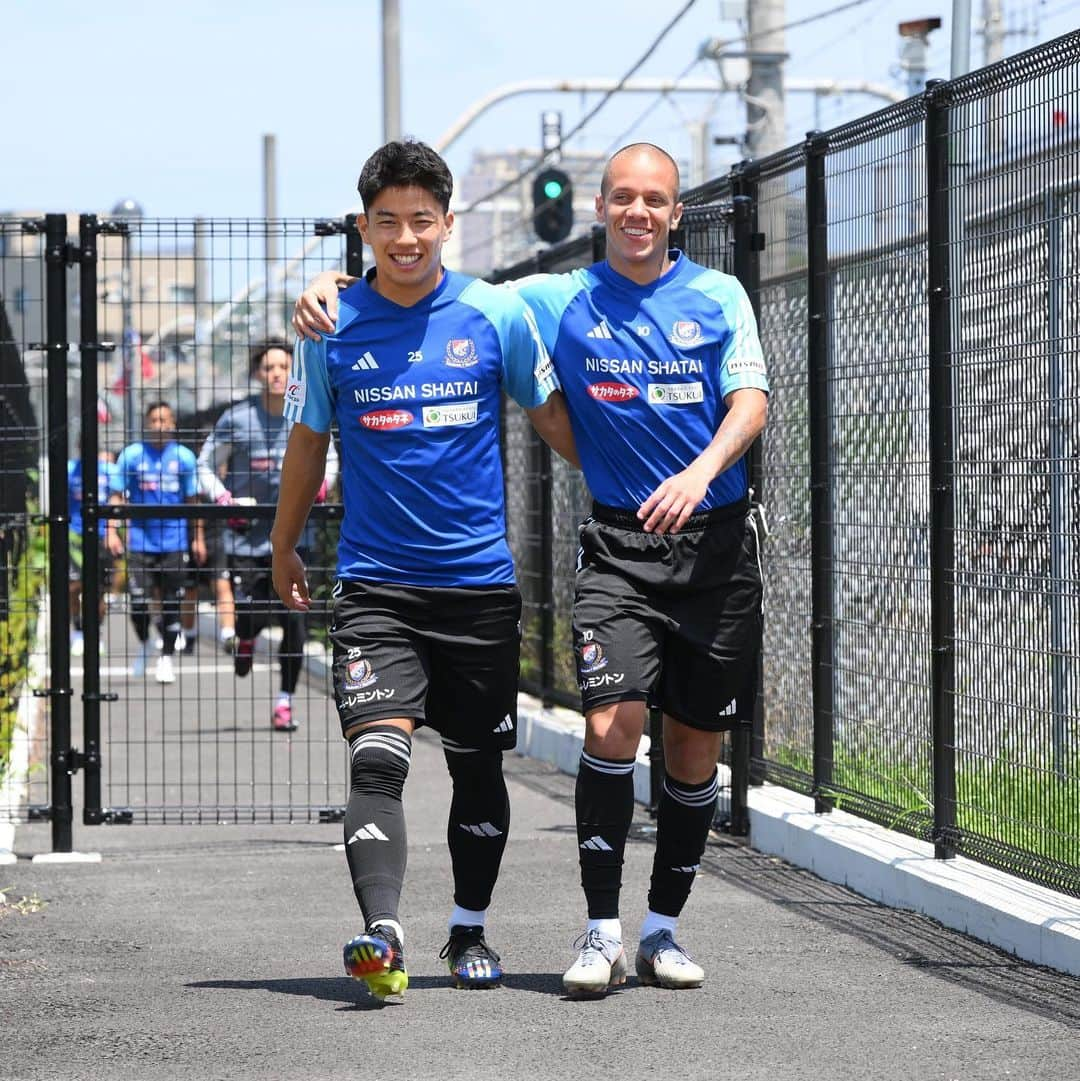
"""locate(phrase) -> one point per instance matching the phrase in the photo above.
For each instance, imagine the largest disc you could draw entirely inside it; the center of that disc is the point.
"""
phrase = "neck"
(274, 404)
(405, 295)
(642, 273)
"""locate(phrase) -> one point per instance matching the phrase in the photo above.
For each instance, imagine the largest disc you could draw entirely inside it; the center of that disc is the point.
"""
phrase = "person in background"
(75, 538)
(240, 463)
(155, 471)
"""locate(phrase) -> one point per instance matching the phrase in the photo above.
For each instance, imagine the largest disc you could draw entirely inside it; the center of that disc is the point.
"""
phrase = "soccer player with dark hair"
(664, 378)
(155, 470)
(426, 616)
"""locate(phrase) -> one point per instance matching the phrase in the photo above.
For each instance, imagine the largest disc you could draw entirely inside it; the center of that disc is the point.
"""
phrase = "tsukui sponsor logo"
(612, 392)
(675, 393)
(386, 420)
(448, 416)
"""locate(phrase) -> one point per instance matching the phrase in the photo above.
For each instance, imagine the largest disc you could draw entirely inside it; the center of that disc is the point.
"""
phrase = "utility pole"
(391, 70)
(765, 87)
(269, 212)
(993, 32)
(960, 29)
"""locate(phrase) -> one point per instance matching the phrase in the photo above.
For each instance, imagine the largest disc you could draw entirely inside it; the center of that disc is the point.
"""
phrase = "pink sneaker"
(281, 718)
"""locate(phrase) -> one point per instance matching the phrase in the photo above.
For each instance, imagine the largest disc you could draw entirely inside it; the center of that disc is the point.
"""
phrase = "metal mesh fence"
(24, 570)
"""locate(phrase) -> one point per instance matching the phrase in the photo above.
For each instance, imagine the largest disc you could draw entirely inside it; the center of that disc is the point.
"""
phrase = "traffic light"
(553, 205)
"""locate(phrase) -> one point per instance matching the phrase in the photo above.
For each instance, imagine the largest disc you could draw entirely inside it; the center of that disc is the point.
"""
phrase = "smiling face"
(406, 228)
(638, 204)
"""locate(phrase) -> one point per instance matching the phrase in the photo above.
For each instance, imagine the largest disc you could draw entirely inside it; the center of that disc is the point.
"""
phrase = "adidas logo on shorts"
(505, 725)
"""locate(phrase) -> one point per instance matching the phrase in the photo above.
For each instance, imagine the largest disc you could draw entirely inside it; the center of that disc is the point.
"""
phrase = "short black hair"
(404, 164)
(159, 404)
(259, 350)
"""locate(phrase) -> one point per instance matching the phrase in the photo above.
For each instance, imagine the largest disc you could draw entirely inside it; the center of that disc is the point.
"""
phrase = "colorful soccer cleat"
(282, 719)
(472, 962)
(376, 958)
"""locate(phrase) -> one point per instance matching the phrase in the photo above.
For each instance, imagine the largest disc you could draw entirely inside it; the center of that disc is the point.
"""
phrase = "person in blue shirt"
(75, 539)
(159, 471)
(664, 378)
(426, 616)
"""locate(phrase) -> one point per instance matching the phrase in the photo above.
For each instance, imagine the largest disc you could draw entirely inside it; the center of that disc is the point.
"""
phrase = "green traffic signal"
(553, 189)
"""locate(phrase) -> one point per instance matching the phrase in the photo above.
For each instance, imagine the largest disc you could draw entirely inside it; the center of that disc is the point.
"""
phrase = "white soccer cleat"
(164, 673)
(662, 962)
(600, 965)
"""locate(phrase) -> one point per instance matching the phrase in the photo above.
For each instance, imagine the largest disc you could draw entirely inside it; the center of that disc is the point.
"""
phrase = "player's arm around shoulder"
(539, 394)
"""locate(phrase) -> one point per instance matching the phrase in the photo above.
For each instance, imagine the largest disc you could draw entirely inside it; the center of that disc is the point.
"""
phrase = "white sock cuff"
(611, 928)
(656, 921)
(467, 917)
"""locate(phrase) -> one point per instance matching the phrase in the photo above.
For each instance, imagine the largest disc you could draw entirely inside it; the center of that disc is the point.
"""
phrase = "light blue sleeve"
(527, 372)
(548, 296)
(118, 473)
(308, 398)
(742, 365)
(189, 482)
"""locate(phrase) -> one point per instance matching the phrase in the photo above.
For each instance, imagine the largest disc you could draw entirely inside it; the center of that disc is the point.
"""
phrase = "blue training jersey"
(75, 493)
(415, 392)
(165, 476)
(645, 370)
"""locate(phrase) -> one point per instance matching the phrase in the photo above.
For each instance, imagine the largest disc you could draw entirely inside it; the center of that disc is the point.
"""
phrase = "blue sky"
(168, 103)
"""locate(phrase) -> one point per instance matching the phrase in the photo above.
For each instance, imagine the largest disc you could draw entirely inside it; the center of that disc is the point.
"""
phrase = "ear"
(362, 227)
(599, 208)
(448, 227)
(676, 216)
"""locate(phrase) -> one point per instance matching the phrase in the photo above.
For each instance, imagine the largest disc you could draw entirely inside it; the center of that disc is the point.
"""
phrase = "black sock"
(604, 801)
(375, 819)
(683, 820)
(478, 824)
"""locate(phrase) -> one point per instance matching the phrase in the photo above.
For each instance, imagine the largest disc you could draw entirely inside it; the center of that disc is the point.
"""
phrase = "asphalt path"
(213, 951)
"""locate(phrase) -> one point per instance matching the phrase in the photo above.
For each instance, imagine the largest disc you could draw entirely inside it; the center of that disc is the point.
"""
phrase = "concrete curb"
(1030, 921)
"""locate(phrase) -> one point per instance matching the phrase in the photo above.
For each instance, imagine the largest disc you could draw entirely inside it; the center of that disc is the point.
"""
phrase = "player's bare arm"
(552, 424)
(671, 504)
(310, 318)
(302, 472)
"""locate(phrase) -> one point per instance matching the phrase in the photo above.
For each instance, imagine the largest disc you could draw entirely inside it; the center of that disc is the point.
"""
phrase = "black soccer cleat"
(472, 962)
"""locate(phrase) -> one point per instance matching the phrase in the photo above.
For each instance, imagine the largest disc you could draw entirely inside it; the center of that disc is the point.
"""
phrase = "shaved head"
(651, 149)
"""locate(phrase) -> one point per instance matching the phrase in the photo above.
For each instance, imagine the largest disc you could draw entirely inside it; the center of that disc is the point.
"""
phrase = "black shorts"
(105, 560)
(216, 565)
(253, 589)
(672, 620)
(446, 657)
(165, 571)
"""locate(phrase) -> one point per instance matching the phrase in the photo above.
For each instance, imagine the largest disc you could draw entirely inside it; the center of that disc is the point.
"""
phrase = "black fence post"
(354, 248)
(58, 423)
(821, 508)
(92, 515)
(748, 246)
(942, 509)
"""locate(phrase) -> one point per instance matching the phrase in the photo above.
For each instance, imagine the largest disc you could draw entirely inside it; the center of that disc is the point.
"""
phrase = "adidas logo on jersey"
(482, 829)
(370, 832)
(505, 725)
(366, 363)
(596, 844)
(599, 331)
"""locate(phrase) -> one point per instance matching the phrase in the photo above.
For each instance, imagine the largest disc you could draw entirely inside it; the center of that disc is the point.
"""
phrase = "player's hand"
(320, 495)
(290, 580)
(198, 550)
(309, 319)
(669, 506)
(114, 543)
